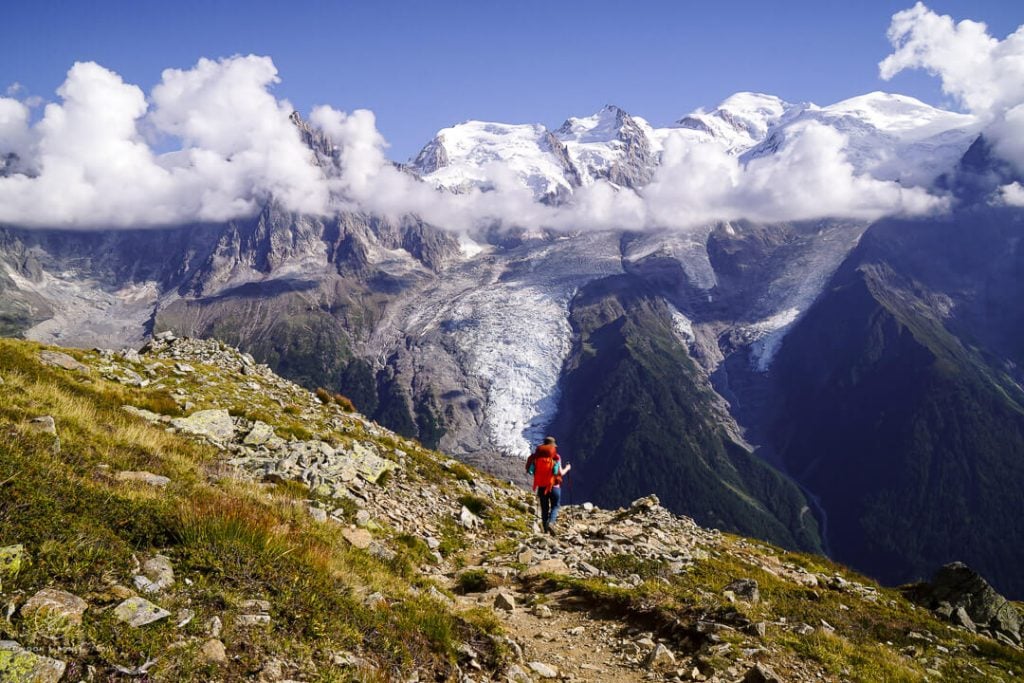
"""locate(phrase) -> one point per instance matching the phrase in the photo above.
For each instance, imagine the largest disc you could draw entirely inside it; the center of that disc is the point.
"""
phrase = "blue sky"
(421, 66)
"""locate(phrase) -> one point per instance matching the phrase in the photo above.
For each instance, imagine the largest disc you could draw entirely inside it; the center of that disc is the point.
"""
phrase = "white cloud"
(91, 166)
(809, 177)
(984, 74)
(1012, 194)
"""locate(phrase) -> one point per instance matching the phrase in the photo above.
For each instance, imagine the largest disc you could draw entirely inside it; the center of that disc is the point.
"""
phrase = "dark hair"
(549, 439)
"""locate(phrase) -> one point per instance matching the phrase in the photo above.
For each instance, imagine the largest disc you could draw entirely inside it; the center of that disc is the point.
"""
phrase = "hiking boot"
(550, 529)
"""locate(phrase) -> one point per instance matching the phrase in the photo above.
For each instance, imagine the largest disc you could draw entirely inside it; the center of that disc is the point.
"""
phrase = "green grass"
(233, 540)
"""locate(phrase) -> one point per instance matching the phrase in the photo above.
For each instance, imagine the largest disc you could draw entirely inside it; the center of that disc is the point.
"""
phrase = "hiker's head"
(549, 440)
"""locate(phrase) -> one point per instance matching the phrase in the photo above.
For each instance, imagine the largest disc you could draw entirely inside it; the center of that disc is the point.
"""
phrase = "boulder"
(467, 519)
(138, 612)
(505, 601)
(260, 434)
(44, 424)
(58, 610)
(57, 359)
(215, 424)
(213, 652)
(745, 589)
(360, 538)
(18, 665)
(761, 673)
(957, 591)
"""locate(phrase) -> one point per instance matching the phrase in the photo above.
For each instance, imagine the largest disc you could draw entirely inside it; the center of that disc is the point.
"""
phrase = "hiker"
(546, 467)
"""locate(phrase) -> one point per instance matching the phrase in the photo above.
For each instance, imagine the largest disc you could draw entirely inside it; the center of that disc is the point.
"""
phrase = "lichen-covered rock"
(138, 612)
(54, 611)
(215, 424)
(12, 557)
(61, 360)
(260, 434)
(18, 665)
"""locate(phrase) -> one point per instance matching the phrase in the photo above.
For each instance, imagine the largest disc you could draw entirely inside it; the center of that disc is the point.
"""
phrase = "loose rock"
(138, 612)
(62, 360)
(58, 610)
(18, 665)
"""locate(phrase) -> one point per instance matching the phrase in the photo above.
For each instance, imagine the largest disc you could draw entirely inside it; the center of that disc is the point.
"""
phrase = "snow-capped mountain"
(888, 136)
(740, 122)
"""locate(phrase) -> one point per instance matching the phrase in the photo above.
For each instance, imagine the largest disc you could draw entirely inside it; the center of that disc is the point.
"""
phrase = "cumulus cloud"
(983, 73)
(808, 177)
(86, 162)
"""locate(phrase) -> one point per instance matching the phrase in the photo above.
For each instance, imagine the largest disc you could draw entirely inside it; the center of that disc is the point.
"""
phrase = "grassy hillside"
(319, 567)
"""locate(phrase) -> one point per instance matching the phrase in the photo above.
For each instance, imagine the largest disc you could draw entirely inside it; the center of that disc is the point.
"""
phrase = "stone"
(505, 601)
(12, 557)
(318, 514)
(58, 610)
(515, 674)
(467, 519)
(803, 629)
(260, 434)
(660, 656)
(956, 586)
(543, 670)
(758, 629)
(165, 336)
(18, 665)
(588, 507)
(184, 367)
(360, 538)
(57, 359)
(645, 504)
(213, 652)
(542, 612)
(961, 618)
(745, 589)
(138, 612)
(143, 477)
(761, 673)
(249, 620)
(214, 626)
(44, 424)
(215, 424)
(157, 574)
(147, 415)
(367, 463)
(554, 565)
(255, 605)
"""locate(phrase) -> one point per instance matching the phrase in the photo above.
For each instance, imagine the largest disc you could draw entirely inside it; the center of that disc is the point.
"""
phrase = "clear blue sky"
(425, 64)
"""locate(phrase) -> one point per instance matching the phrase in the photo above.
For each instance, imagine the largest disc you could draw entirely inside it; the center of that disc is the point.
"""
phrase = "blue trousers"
(549, 504)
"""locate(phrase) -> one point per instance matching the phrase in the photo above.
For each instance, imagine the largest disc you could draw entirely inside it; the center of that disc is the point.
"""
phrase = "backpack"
(544, 476)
